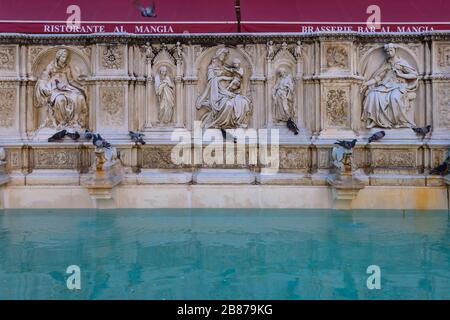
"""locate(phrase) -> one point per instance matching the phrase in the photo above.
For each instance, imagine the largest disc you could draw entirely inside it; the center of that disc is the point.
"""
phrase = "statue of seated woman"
(226, 107)
(59, 92)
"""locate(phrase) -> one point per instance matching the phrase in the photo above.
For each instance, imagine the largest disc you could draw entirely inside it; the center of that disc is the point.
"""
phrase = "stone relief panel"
(61, 90)
(294, 158)
(390, 88)
(394, 158)
(112, 59)
(224, 100)
(443, 102)
(112, 113)
(443, 57)
(13, 159)
(8, 108)
(336, 103)
(335, 57)
(56, 159)
(153, 157)
(8, 63)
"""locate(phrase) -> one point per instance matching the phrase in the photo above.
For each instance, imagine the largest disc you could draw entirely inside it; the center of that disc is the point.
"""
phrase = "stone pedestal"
(101, 183)
(343, 180)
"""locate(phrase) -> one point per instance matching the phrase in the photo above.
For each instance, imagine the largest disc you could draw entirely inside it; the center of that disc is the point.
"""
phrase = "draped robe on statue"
(55, 90)
(226, 109)
(386, 105)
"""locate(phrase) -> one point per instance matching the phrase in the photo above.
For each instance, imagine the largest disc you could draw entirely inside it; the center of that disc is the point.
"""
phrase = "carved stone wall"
(119, 77)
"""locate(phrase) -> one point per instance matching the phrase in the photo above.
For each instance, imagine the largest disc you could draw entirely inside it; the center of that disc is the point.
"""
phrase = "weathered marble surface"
(152, 84)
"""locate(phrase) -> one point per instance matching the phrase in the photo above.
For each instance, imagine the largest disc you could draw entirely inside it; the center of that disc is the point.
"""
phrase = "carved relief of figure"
(165, 92)
(227, 107)
(283, 97)
(390, 92)
(60, 92)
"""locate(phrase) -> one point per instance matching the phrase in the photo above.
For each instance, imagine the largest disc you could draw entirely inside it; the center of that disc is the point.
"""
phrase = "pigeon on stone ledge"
(88, 135)
(136, 137)
(58, 136)
(441, 169)
(292, 126)
(346, 144)
(99, 142)
(377, 136)
(422, 131)
(73, 135)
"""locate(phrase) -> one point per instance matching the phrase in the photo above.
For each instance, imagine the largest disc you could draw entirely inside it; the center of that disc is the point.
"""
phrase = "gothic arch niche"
(74, 76)
(235, 59)
(285, 62)
(372, 61)
(162, 110)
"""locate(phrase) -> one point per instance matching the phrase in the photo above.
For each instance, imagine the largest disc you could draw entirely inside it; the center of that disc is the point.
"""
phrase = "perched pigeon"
(146, 11)
(422, 131)
(137, 137)
(88, 135)
(346, 144)
(73, 135)
(99, 142)
(441, 169)
(292, 126)
(377, 136)
(224, 134)
(58, 136)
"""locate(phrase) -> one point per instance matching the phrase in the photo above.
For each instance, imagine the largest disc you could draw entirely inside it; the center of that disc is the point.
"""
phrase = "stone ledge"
(53, 177)
(156, 176)
(224, 176)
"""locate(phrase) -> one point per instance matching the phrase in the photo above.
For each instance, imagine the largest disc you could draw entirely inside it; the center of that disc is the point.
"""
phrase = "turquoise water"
(224, 254)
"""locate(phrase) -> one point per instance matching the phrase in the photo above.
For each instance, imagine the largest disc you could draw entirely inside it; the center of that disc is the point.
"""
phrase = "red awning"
(343, 15)
(168, 16)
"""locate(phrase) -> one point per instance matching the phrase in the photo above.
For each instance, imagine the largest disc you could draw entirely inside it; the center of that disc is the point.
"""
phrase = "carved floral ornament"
(112, 57)
(7, 58)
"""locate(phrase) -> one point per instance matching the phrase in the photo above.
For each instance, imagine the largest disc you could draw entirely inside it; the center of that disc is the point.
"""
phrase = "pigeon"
(146, 11)
(58, 136)
(441, 169)
(99, 142)
(346, 144)
(292, 126)
(88, 135)
(377, 136)
(224, 134)
(73, 135)
(422, 131)
(137, 137)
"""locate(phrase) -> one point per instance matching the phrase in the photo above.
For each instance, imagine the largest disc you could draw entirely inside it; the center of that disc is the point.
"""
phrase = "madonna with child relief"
(227, 107)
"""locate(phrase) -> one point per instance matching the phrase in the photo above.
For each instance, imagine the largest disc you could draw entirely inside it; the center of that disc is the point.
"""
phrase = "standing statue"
(165, 92)
(227, 107)
(390, 92)
(60, 92)
(283, 97)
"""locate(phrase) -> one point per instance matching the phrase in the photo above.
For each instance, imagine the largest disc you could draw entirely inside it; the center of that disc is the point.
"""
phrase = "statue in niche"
(61, 93)
(166, 97)
(390, 92)
(283, 97)
(227, 107)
